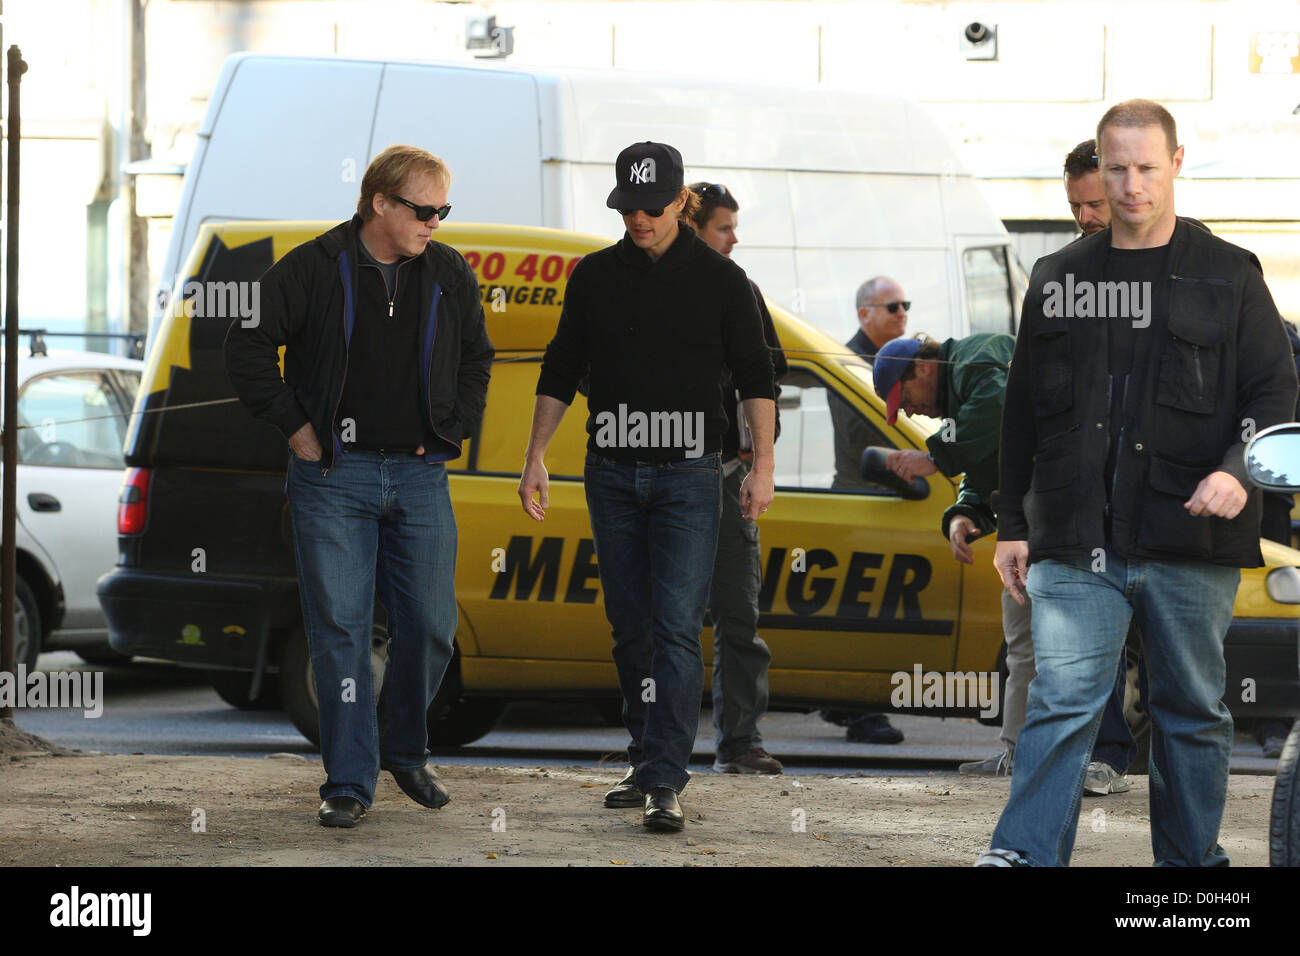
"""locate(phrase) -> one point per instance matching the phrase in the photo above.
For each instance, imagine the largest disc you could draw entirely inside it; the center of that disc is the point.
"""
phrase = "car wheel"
(27, 626)
(453, 719)
(233, 687)
(610, 710)
(298, 685)
(1284, 824)
(102, 655)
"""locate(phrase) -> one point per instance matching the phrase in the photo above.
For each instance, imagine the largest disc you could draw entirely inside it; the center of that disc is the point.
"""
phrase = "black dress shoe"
(662, 811)
(625, 793)
(341, 812)
(422, 786)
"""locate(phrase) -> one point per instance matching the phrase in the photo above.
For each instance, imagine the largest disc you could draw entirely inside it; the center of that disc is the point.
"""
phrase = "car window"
(822, 438)
(74, 419)
(990, 297)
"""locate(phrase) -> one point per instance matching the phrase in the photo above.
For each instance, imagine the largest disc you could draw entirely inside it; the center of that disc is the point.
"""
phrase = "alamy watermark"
(77, 689)
(220, 300)
(637, 429)
(1098, 300)
(950, 690)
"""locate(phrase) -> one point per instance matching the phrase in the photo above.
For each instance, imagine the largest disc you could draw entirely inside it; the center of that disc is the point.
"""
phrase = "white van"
(834, 187)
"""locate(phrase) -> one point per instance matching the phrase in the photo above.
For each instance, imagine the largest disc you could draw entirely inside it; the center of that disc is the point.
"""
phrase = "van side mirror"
(873, 468)
(1273, 458)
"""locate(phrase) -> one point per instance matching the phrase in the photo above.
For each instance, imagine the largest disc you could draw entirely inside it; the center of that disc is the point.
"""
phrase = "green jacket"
(972, 380)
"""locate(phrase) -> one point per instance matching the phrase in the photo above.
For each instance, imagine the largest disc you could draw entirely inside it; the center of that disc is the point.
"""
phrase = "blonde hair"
(389, 171)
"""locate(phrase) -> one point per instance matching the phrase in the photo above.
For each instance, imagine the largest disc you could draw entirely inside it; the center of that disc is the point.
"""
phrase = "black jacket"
(655, 337)
(1206, 375)
(307, 303)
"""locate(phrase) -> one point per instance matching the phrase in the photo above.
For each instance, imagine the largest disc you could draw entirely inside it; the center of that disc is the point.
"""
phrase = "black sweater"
(656, 336)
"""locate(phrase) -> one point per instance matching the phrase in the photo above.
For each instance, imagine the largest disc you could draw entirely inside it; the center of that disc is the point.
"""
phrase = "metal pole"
(8, 568)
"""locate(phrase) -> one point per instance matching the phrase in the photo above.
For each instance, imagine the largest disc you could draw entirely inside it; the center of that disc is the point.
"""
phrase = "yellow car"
(861, 598)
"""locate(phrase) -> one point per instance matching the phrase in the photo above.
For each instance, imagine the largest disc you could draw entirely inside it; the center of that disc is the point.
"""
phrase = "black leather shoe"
(341, 812)
(662, 811)
(625, 793)
(422, 786)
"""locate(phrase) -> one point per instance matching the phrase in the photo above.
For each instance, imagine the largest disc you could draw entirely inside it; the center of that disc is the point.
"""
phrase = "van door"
(855, 578)
(483, 123)
(992, 283)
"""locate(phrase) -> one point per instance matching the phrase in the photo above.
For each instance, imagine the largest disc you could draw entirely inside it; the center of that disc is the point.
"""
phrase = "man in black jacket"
(655, 317)
(1148, 353)
(740, 656)
(386, 369)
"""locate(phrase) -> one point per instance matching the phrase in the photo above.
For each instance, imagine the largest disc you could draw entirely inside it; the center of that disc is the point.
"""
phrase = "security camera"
(979, 41)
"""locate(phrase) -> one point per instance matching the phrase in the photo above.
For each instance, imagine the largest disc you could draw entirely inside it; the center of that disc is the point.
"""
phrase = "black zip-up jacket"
(655, 336)
(1207, 374)
(308, 304)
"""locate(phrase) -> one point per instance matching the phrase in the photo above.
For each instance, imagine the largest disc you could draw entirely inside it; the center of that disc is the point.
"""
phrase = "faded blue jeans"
(1081, 616)
(655, 528)
(381, 525)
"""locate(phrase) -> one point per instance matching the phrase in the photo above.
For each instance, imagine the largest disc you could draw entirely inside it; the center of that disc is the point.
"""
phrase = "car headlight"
(1283, 585)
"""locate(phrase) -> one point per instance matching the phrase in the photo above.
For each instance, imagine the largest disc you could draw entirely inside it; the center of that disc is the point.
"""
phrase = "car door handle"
(40, 501)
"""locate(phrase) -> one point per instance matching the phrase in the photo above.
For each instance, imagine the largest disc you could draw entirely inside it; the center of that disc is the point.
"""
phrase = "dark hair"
(929, 351)
(1082, 159)
(1138, 113)
(711, 196)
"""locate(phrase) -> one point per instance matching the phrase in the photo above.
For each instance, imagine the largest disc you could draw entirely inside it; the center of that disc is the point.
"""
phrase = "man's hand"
(1011, 558)
(961, 530)
(535, 479)
(305, 444)
(910, 464)
(1219, 495)
(756, 494)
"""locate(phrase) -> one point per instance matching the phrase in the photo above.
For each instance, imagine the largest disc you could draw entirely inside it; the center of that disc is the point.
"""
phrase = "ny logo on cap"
(644, 171)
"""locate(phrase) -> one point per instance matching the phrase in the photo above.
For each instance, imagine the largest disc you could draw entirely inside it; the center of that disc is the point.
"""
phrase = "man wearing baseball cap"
(654, 319)
(964, 381)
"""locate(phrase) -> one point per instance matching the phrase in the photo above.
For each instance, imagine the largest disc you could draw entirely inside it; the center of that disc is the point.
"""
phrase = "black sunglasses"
(425, 213)
(893, 306)
(713, 189)
(652, 213)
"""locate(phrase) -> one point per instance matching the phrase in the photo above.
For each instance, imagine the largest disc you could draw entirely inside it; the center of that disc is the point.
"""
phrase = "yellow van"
(858, 583)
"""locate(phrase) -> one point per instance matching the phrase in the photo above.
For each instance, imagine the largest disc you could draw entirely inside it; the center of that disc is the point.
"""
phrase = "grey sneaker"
(996, 857)
(1102, 779)
(998, 765)
(757, 760)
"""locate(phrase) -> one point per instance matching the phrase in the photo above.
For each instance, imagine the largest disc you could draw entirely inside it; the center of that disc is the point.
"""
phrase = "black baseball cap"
(647, 176)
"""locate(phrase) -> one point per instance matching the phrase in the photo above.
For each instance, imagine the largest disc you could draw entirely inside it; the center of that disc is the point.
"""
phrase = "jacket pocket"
(1052, 372)
(1165, 524)
(1193, 353)
(1051, 502)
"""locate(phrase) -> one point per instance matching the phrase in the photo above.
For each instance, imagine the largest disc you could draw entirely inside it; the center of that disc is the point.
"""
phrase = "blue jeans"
(655, 529)
(1183, 610)
(378, 525)
(1115, 744)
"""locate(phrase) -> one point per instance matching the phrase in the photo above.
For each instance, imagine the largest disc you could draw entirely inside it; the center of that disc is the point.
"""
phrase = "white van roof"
(742, 125)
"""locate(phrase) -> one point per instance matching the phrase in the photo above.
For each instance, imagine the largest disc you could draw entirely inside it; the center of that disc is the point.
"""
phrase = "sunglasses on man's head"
(894, 306)
(713, 191)
(652, 213)
(425, 213)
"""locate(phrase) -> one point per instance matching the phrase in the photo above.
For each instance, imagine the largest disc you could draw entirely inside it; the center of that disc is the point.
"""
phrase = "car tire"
(233, 687)
(298, 686)
(610, 710)
(1004, 672)
(102, 655)
(27, 626)
(455, 720)
(1284, 823)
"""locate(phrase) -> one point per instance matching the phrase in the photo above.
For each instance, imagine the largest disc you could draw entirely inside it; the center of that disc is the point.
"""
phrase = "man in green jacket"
(963, 382)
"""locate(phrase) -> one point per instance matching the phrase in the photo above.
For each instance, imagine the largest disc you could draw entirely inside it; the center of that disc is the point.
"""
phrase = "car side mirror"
(872, 468)
(1273, 458)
